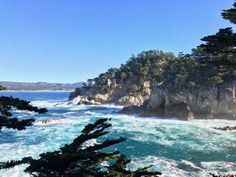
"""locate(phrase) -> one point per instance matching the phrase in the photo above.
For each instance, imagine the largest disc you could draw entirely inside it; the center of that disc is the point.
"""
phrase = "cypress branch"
(73, 160)
(7, 104)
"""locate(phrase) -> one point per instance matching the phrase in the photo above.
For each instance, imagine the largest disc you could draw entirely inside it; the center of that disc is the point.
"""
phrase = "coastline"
(36, 91)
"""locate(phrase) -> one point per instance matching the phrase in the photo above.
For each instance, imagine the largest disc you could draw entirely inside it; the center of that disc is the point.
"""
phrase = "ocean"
(175, 148)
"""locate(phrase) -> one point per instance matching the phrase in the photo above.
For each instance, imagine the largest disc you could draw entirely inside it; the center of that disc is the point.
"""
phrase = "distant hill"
(39, 86)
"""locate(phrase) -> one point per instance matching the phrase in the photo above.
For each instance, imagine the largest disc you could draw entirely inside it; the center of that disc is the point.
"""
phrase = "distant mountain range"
(39, 86)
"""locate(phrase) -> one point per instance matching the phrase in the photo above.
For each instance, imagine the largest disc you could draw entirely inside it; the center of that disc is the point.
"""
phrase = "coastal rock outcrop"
(87, 101)
(205, 103)
(128, 85)
(155, 83)
(119, 95)
(131, 100)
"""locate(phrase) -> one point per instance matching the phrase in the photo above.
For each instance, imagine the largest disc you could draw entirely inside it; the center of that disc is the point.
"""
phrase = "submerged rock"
(130, 110)
(226, 128)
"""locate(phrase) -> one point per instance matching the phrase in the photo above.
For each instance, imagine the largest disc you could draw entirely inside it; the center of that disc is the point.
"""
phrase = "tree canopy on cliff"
(146, 66)
(213, 63)
(6, 119)
(79, 159)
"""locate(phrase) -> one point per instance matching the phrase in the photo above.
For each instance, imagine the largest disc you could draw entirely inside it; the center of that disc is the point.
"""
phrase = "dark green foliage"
(6, 119)
(182, 73)
(220, 48)
(147, 66)
(76, 159)
(2, 87)
(211, 64)
(230, 14)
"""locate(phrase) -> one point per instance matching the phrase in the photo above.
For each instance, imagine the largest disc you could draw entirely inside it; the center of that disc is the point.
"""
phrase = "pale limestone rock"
(102, 97)
(132, 100)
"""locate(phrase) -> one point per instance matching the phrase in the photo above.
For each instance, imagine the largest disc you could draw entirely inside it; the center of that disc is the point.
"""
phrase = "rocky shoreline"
(199, 85)
(216, 102)
(204, 103)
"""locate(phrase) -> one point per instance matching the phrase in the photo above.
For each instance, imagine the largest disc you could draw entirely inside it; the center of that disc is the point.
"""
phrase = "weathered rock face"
(215, 102)
(180, 111)
(101, 97)
(137, 99)
(118, 95)
(87, 101)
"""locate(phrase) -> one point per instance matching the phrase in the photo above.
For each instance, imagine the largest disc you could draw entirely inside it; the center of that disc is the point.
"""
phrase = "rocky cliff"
(192, 90)
(128, 85)
(215, 102)
(120, 95)
(164, 86)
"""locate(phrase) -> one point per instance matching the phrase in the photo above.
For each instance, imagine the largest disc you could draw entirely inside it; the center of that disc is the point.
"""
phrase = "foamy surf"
(176, 148)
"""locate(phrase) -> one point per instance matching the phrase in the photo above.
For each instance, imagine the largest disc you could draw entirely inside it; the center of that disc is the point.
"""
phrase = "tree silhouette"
(230, 14)
(77, 159)
(220, 48)
(6, 119)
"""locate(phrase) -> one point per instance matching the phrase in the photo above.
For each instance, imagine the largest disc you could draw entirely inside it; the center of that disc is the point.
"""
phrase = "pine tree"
(77, 159)
(6, 119)
(230, 14)
(219, 50)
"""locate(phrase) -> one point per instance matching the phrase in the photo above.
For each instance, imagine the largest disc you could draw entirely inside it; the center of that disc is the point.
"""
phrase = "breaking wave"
(176, 148)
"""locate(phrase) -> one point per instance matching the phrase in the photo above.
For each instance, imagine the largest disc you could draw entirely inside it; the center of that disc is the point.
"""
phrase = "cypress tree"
(77, 159)
(6, 117)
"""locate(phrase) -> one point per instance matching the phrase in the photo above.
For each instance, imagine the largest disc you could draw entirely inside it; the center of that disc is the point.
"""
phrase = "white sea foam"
(88, 143)
(75, 100)
(215, 166)
(167, 166)
(154, 138)
(56, 121)
(17, 171)
(42, 103)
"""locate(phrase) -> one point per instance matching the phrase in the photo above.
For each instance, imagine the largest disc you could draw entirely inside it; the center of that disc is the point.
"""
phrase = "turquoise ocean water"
(176, 148)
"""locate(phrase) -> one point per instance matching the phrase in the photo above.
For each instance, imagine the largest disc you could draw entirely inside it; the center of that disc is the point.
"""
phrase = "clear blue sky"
(73, 40)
